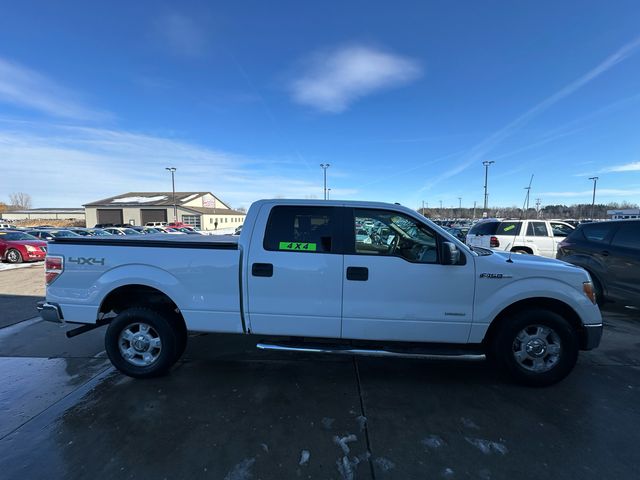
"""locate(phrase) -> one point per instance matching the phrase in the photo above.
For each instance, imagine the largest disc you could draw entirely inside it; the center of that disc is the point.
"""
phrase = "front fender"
(490, 301)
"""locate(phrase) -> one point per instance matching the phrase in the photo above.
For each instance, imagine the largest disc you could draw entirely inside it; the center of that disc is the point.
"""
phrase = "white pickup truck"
(332, 277)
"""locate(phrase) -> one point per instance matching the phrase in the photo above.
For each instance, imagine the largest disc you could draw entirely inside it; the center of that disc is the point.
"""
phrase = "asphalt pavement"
(229, 411)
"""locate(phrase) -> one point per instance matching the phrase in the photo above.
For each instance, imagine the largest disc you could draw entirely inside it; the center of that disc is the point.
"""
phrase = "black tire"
(542, 366)
(160, 327)
(13, 256)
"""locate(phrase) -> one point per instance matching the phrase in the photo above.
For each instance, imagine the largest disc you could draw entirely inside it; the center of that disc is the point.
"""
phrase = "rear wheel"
(14, 256)
(142, 343)
(537, 347)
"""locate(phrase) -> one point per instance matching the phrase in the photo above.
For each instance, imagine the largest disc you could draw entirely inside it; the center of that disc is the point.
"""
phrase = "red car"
(17, 247)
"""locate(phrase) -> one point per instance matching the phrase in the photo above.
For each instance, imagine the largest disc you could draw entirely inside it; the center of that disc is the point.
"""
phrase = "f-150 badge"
(495, 275)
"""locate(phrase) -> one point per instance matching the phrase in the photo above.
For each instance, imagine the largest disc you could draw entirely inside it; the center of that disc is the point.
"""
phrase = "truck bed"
(160, 240)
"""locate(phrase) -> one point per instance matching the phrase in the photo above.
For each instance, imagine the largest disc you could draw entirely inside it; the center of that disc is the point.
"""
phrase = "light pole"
(486, 164)
(173, 188)
(593, 201)
(328, 193)
(324, 167)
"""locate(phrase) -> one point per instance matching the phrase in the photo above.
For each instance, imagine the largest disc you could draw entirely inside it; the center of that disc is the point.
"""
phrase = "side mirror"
(449, 253)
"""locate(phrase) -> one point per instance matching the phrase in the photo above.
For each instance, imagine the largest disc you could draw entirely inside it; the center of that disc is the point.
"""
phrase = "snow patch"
(433, 441)
(468, 423)
(384, 464)
(487, 446)
(157, 198)
(13, 266)
(241, 471)
(342, 442)
(304, 457)
(362, 422)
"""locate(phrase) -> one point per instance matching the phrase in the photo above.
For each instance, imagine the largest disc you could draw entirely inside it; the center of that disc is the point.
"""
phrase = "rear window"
(509, 228)
(484, 228)
(302, 229)
(597, 232)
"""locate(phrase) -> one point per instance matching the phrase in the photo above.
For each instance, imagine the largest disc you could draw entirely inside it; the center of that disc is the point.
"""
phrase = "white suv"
(155, 224)
(535, 237)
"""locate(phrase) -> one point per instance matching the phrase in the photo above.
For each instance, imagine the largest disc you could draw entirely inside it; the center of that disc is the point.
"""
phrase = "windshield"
(64, 234)
(99, 233)
(130, 231)
(12, 236)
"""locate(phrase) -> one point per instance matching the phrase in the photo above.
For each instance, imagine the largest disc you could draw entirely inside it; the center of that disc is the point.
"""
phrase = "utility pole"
(324, 167)
(486, 164)
(328, 193)
(528, 189)
(537, 208)
(474, 209)
(173, 188)
(422, 207)
(593, 200)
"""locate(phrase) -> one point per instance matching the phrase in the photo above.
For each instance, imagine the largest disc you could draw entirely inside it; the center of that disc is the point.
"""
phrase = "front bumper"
(50, 312)
(592, 335)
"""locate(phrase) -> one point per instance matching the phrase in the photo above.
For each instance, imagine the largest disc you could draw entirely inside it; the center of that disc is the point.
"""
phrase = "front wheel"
(142, 343)
(14, 256)
(537, 347)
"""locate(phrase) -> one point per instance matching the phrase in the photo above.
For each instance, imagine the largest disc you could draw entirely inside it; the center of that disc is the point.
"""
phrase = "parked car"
(610, 252)
(188, 230)
(103, 225)
(177, 225)
(89, 232)
(480, 234)
(48, 235)
(533, 237)
(151, 230)
(6, 226)
(18, 247)
(301, 271)
(122, 231)
(170, 230)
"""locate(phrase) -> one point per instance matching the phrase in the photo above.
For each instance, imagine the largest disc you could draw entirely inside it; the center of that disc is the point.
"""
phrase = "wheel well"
(525, 249)
(556, 306)
(129, 296)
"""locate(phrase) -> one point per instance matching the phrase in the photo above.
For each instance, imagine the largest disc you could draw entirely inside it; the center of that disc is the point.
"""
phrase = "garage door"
(153, 215)
(112, 216)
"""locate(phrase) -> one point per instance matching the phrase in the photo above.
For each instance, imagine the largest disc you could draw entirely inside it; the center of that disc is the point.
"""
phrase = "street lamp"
(486, 164)
(328, 192)
(324, 167)
(593, 200)
(173, 188)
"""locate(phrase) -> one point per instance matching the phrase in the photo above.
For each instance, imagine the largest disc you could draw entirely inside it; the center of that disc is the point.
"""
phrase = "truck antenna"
(524, 205)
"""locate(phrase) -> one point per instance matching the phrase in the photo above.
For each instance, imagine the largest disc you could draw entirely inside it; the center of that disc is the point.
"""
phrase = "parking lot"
(229, 411)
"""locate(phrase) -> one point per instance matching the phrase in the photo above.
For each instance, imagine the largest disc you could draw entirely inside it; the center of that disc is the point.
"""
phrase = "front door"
(295, 275)
(623, 262)
(395, 286)
(538, 235)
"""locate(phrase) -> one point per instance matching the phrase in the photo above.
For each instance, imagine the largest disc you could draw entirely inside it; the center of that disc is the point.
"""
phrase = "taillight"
(494, 242)
(53, 267)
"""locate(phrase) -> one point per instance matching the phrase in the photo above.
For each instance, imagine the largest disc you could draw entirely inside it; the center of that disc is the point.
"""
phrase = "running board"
(345, 350)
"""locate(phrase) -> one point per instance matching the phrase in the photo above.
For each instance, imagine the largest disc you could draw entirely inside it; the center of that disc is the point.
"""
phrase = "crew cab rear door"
(396, 287)
(294, 278)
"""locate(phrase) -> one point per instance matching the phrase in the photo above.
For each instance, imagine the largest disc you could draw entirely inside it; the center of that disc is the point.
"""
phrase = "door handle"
(358, 274)
(262, 270)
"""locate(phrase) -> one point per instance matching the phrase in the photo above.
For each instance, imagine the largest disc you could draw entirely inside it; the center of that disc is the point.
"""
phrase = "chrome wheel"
(13, 256)
(140, 344)
(537, 348)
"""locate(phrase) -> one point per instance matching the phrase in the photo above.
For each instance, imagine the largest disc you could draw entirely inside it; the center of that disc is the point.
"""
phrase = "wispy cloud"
(25, 88)
(481, 150)
(611, 192)
(183, 35)
(115, 161)
(330, 81)
(627, 167)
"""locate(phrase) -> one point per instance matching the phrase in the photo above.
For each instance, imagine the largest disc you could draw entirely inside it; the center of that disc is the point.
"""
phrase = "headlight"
(587, 288)
(31, 248)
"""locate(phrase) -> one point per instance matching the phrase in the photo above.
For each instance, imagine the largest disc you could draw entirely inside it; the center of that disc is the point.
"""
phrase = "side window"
(302, 229)
(628, 236)
(509, 228)
(380, 232)
(537, 229)
(597, 232)
(560, 230)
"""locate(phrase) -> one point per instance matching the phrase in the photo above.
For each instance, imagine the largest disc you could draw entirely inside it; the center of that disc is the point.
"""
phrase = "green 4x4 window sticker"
(298, 246)
(510, 227)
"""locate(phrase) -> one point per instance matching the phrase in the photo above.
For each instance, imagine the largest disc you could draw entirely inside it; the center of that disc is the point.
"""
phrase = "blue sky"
(403, 99)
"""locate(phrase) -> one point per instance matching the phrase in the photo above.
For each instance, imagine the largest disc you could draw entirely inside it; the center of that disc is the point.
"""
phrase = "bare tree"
(21, 200)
